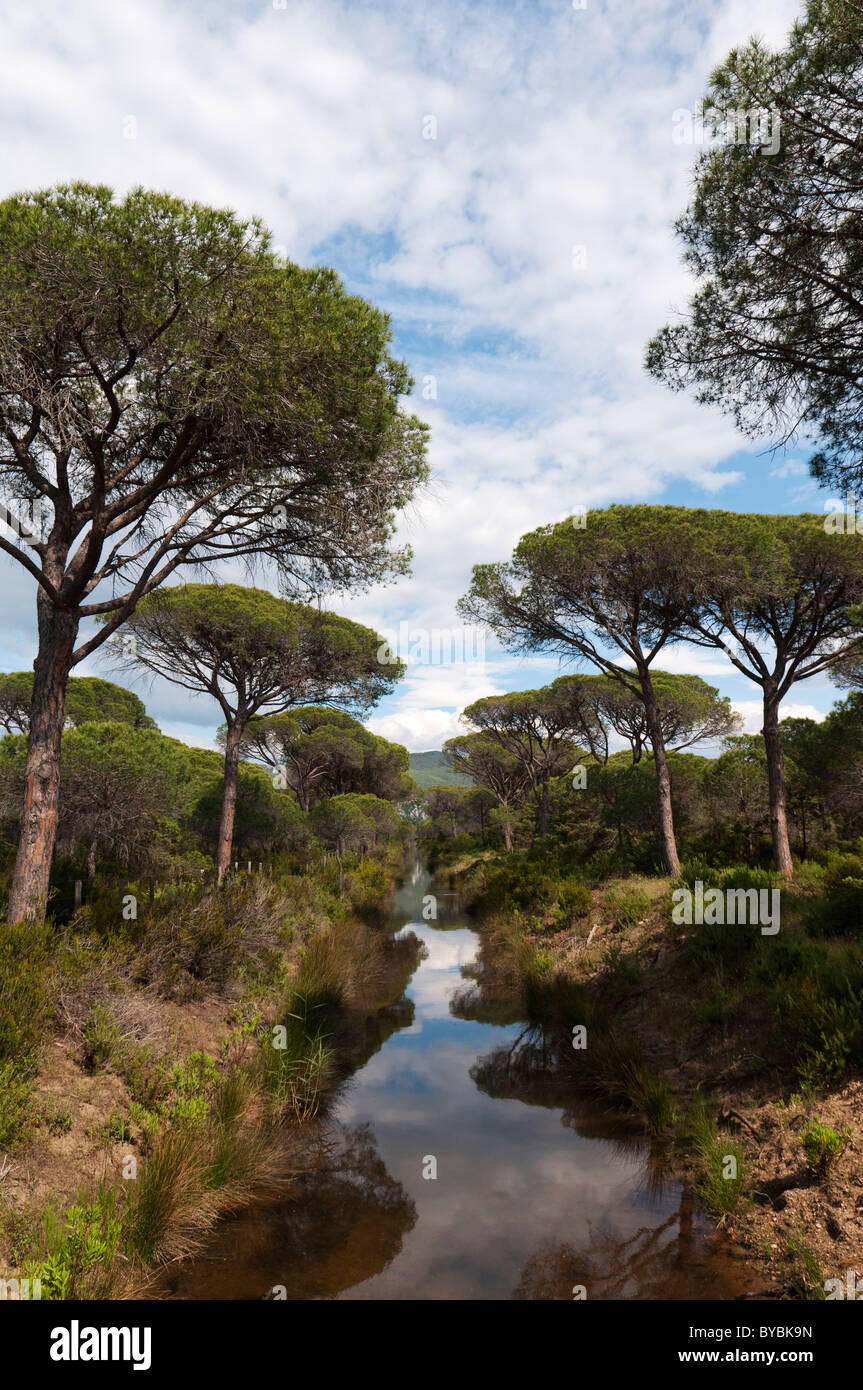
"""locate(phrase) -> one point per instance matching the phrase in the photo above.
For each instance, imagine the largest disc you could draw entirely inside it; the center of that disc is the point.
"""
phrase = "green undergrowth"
(198, 1133)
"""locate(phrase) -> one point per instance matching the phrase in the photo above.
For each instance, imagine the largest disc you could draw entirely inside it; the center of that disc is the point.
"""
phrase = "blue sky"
(503, 180)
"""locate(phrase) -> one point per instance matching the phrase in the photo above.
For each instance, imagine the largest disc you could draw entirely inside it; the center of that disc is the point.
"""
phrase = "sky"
(502, 179)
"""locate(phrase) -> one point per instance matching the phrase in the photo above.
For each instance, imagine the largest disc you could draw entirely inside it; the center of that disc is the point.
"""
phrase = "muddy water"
(529, 1198)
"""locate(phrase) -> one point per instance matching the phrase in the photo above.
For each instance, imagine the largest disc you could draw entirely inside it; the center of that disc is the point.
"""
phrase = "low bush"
(627, 907)
(574, 902)
(78, 1254)
(26, 989)
(16, 1105)
(207, 942)
(820, 1018)
(527, 887)
(839, 911)
(823, 1146)
(366, 887)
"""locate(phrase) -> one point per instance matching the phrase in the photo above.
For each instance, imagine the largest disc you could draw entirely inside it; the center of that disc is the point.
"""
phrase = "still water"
(436, 1175)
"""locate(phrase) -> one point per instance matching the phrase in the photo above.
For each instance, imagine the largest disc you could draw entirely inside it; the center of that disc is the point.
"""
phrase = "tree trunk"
(782, 860)
(28, 895)
(543, 813)
(663, 778)
(303, 791)
(91, 861)
(229, 801)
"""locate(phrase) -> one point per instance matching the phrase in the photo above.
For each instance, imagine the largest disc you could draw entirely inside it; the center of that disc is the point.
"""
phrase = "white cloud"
(751, 712)
(418, 729)
(553, 130)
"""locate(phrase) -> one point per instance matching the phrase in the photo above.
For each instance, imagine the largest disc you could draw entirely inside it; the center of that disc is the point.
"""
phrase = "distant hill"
(433, 770)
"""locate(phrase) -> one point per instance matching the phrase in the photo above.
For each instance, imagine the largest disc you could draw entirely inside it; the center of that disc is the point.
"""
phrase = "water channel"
(432, 1176)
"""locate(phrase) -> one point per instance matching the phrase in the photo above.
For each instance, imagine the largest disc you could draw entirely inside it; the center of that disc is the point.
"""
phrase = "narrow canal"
(437, 1174)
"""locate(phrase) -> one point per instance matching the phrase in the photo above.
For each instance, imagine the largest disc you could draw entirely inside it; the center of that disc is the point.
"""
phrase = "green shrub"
(622, 970)
(101, 1038)
(527, 887)
(26, 988)
(519, 886)
(822, 1145)
(712, 944)
(839, 909)
(628, 907)
(118, 1128)
(56, 1117)
(367, 886)
(820, 1016)
(146, 1077)
(748, 876)
(204, 942)
(80, 1255)
(723, 944)
(695, 868)
(574, 902)
(16, 1105)
(839, 865)
(193, 1083)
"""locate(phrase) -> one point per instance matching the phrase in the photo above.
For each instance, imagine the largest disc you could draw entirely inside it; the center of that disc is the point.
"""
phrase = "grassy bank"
(742, 1053)
(156, 1070)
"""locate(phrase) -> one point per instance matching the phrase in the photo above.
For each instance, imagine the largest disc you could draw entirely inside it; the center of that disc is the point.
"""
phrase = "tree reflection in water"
(682, 1257)
(345, 1220)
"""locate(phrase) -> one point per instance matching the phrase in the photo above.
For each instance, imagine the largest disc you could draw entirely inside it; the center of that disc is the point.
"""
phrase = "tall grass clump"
(295, 1064)
(616, 1070)
(165, 1216)
(722, 1169)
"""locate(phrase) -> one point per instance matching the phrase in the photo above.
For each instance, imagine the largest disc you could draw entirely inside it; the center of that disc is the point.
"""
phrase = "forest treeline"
(537, 791)
(136, 804)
